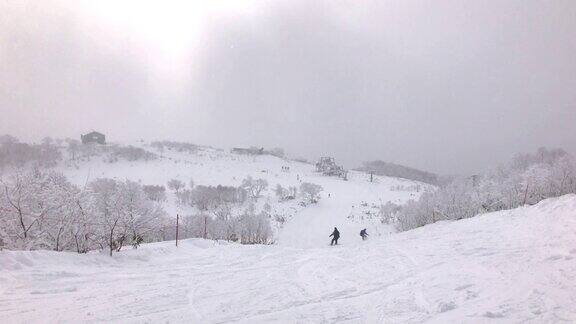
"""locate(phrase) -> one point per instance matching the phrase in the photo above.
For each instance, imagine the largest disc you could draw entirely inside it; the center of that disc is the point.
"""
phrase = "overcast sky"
(446, 86)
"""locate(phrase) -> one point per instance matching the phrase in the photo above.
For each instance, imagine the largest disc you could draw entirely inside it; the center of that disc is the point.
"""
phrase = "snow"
(209, 166)
(509, 266)
(312, 226)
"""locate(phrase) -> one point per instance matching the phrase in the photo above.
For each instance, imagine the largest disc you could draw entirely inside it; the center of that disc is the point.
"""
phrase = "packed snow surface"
(509, 266)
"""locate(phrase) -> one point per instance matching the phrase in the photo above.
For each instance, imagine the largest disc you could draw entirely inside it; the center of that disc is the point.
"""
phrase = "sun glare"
(171, 29)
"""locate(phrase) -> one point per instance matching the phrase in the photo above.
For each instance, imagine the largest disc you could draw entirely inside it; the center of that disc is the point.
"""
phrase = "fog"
(445, 86)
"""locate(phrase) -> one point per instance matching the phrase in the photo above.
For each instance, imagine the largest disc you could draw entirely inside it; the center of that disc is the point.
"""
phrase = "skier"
(363, 234)
(335, 236)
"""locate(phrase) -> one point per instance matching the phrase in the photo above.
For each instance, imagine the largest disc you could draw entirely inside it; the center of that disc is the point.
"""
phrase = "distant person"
(335, 236)
(364, 234)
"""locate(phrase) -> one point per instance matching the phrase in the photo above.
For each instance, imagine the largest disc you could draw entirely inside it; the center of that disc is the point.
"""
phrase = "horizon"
(453, 88)
(290, 155)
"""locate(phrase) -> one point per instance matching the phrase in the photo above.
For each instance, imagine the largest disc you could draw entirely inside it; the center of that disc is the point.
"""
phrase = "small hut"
(93, 138)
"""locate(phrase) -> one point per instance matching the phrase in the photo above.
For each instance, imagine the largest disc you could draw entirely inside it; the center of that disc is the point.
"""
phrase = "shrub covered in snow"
(210, 197)
(176, 146)
(284, 194)
(175, 185)
(310, 192)
(248, 227)
(254, 187)
(388, 212)
(129, 153)
(221, 213)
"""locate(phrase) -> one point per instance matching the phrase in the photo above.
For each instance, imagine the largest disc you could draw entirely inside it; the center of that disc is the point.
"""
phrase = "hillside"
(512, 266)
(396, 170)
(351, 205)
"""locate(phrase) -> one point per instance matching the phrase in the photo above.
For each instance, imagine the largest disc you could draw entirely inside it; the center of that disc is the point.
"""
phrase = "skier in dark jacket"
(335, 236)
(363, 234)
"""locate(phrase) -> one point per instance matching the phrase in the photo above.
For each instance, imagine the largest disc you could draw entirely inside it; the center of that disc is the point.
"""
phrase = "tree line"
(234, 213)
(526, 180)
(41, 209)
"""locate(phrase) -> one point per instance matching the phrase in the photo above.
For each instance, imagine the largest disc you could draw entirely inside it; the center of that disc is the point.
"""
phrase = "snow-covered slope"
(351, 205)
(510, 266)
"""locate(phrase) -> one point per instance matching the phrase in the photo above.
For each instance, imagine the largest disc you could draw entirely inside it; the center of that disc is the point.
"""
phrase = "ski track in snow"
(510, 266)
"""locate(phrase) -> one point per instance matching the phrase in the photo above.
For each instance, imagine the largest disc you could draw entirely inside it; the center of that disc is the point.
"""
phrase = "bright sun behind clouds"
(170, 29)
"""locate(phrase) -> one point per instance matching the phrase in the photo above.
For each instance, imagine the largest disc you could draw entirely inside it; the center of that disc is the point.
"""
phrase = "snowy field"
(341, 202)
(511, 266)
(214, 167)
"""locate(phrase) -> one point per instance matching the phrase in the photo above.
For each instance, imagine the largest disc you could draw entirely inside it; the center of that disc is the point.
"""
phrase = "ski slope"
(312, 226)
(340, 204)
(510, 266)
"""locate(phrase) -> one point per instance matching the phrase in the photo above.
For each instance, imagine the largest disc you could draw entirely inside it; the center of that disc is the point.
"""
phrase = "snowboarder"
(335, 236)
(363, 234)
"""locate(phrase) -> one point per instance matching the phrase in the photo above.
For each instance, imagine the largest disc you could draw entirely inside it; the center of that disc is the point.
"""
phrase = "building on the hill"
(93, 138)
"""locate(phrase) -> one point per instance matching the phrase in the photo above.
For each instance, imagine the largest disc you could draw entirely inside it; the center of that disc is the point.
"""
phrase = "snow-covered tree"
(527, 179)
(388, 212)
(30, 198)
(140, 215)
(284, 194)
(204, 197)
(155, 193)
(225, 226)
(107, 209)
(310, 192)
(73, 149)
(254, 187)
(84, 229)
(124, 213)
(16, 154)
(175, 185)
(255, 227)
(58, 221)
(198, 225)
